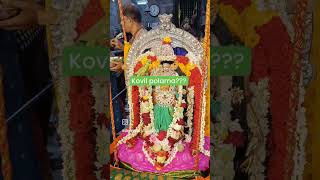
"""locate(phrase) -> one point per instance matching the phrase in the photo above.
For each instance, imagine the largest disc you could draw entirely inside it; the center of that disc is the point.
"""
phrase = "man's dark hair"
(133, 12)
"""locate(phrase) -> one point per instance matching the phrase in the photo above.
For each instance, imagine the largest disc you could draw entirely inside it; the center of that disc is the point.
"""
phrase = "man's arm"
(32, 14)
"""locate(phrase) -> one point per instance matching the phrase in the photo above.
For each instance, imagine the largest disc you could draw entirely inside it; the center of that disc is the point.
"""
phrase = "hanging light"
(142, 2)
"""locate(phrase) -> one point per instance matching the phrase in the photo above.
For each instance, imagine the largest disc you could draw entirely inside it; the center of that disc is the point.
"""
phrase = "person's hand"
(50, 17)
(31, 14)
(116, 66)
(115, 43)
(26, 19)
(24, 5)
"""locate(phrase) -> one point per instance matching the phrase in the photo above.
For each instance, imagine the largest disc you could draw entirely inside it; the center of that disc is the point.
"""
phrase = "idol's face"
(166, 65)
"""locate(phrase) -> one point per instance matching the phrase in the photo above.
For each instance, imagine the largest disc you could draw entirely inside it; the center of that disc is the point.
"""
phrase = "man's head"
(132, 16)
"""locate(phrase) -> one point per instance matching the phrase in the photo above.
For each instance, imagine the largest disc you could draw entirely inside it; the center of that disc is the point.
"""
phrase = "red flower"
(152, 58)
(137, 67)
(162, 135)
(148, 142)
(195, 78)
(235, 138)
(162, 153)
(146, 118)
(171, 141)
(181, 122)
(182, 59)
(136, 104)
(131, 142)
(184, 105)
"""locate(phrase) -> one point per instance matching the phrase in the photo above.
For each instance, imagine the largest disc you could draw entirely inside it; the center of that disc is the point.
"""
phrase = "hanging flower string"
(299, 39)
(270, 60)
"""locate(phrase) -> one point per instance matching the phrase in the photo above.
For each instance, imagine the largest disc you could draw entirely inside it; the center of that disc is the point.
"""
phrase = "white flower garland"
(99, 86)
(223, 165)
(301, 136)
(62, 35)
(173, 152)
(202, 128)
(259, 128)
(178, 114)
(190, 100)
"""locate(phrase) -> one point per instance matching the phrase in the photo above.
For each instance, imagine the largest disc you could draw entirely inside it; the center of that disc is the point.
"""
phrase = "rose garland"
(81, 118)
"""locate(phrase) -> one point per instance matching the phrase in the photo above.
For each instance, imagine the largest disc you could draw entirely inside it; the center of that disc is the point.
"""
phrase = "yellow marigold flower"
(144, 60)
(174, 66)
(167, 40)
(154, 65)
(145, 98)
(190, 66)
(243, 25)
(187, 68)
(164, 88)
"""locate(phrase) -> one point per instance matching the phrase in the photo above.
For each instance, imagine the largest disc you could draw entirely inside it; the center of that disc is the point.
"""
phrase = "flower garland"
(299, 26)
(280, 7)
(300, 137)
(190, 100)
(6, 167)
(312, 101)
(100, 94)
(259, 128)
(61, 36)
(301, 131)
(224, 149)
(161, 147)
(242, 21)
(202, 127)
(81, 117)
(260, 36)
(156, 141)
